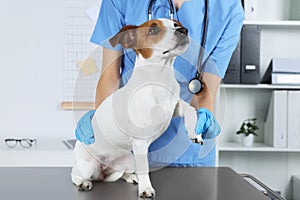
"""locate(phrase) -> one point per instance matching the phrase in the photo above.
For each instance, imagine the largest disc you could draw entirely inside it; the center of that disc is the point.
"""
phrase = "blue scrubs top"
(225, 19)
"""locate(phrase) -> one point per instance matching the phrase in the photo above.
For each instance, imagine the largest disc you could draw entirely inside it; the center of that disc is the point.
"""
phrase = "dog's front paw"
(198, 139)
(148, 192)
(85, 186)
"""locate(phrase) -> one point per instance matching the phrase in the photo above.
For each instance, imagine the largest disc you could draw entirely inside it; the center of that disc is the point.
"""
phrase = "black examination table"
(43, 183)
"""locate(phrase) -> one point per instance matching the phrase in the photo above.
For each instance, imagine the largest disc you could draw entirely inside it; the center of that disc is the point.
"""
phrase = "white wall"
(31, 63)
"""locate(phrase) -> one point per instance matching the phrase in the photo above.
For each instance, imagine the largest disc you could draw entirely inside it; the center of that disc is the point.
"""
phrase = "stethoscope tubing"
(151, 5)
(203, 43)
(200, 64)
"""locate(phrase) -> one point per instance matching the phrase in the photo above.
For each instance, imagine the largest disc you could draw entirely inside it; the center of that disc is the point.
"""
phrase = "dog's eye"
(154, 30)
(176, 25)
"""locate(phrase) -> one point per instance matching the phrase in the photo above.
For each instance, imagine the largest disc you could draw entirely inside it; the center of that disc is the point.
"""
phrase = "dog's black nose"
(181, 31)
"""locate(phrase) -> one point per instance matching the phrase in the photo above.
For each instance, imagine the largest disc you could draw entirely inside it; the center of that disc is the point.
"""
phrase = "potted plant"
(248, 131)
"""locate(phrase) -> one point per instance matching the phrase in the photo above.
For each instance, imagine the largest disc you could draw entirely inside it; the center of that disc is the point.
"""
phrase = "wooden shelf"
(294, 23)
(257, 147)
(67, 105)
(260, 86)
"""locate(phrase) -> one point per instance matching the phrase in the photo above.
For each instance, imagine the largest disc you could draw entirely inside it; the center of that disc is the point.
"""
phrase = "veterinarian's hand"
(84, 131)
(207, 124)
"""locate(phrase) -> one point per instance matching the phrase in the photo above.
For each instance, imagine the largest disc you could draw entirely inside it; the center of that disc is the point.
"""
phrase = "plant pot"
(247, 141)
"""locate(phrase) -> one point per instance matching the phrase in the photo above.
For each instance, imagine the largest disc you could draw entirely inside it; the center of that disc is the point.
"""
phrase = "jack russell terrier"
(131, 118)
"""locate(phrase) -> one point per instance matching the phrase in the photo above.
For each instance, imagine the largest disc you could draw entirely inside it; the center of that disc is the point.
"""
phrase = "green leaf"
(239, 132)
(248, 127)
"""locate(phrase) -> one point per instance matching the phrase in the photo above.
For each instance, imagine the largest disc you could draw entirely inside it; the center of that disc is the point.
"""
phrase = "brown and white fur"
(130, 119)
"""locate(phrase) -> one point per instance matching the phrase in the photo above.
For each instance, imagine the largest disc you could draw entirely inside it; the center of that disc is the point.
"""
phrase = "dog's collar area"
(184, 42)
(168, 51)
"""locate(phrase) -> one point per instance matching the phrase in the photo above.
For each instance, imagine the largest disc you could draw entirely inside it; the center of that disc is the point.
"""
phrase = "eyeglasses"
(25, 143)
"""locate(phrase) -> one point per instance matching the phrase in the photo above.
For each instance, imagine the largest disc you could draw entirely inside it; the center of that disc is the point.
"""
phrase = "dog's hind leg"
(112, 175)
(83, 184)
(85, 169)
(130, 178)
(121, 168)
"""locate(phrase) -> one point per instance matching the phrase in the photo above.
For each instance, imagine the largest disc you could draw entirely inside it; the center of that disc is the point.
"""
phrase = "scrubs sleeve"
(110, 21)
(222, 53)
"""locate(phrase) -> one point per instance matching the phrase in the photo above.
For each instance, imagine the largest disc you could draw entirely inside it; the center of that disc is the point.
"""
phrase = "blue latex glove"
(84, 131)
(207, 124)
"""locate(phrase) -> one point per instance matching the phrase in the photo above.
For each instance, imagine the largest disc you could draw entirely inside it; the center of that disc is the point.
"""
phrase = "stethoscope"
(195, 85)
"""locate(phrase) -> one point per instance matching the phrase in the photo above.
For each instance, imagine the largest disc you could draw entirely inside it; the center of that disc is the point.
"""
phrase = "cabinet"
(274, 166)
(280, 37)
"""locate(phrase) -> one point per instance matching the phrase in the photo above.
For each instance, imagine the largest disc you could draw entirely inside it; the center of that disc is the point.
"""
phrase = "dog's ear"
(126, 37)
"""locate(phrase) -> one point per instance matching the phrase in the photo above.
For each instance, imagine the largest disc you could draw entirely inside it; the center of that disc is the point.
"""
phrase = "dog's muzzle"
(182, 34)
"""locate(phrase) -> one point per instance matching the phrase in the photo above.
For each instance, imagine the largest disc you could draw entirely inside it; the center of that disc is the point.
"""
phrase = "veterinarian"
(225, 20)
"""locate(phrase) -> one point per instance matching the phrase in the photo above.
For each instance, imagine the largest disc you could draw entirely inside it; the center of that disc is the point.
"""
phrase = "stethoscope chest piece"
(195, 86)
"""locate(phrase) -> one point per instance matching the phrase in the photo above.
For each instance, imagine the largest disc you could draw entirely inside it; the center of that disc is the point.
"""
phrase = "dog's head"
(160, 37)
